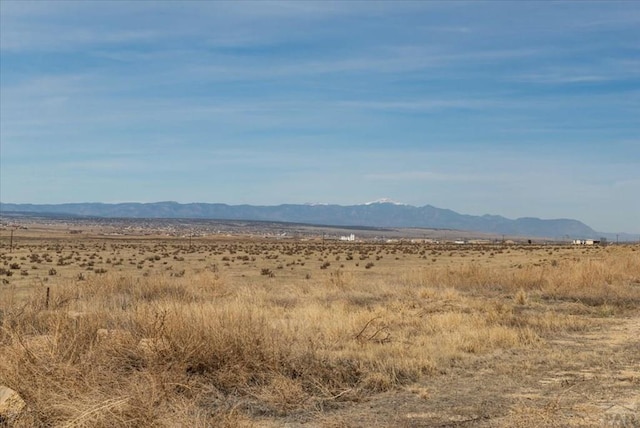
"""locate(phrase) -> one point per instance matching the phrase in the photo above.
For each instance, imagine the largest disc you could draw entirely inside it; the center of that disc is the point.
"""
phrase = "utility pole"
(11, 241)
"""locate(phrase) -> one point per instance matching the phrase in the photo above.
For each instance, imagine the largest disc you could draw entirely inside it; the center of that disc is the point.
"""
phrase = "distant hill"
(376, 214)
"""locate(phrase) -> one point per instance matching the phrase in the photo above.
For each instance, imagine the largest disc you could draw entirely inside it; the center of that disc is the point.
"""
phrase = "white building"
(585, 242)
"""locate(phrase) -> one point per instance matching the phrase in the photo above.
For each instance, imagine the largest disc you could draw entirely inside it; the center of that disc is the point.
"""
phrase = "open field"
(142, 331)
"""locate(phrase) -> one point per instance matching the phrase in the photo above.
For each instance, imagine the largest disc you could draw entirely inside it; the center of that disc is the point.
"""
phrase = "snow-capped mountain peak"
(384, 201)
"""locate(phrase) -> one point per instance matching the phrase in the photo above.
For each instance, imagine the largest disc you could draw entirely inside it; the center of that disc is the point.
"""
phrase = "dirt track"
(583, 379)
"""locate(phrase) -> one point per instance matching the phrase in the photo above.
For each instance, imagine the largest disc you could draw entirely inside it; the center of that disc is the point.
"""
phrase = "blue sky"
(510, 108)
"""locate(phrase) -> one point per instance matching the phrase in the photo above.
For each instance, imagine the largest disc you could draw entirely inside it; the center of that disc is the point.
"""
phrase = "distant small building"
(586, 242)
(424, 241)
(349, 238)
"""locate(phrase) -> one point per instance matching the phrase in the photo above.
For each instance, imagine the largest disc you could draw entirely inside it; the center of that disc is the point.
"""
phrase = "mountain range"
(383, 213)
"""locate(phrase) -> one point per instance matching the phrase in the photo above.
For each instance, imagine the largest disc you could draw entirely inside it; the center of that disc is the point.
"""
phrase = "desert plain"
(145, 329)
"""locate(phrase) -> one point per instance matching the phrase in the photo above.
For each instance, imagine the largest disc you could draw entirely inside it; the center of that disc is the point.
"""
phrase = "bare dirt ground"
(584, 379)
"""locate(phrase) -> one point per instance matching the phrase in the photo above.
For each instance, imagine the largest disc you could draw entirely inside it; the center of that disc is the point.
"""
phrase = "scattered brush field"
(159, 332)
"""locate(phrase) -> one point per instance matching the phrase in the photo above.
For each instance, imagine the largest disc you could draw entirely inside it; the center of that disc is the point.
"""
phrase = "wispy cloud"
(563, 78)
(425, 105)
(601, 71)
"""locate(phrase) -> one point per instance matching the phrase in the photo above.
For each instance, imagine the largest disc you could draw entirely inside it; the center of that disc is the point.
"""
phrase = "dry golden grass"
(201, 336)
